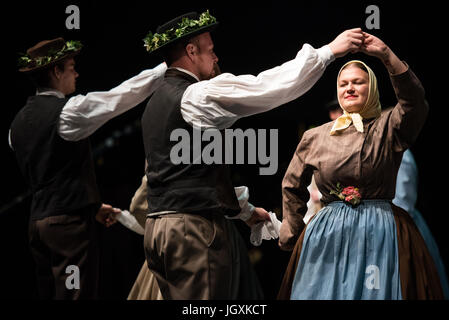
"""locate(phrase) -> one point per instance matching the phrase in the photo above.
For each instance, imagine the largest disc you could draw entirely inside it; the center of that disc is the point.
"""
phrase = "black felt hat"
(178, 29)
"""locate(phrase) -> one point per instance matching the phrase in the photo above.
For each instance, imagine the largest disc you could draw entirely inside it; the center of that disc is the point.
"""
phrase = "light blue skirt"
(349, 254)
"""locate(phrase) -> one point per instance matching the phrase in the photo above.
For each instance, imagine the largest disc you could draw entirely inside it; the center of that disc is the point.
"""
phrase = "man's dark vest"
(60, 173)
(186, 188)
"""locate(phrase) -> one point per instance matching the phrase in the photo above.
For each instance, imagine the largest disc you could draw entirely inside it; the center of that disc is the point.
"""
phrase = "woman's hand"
(287, 240)
(373, 46)
(259, 215)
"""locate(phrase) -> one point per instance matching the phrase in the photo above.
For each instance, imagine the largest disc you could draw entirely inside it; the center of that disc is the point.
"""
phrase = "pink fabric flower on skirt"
(349, 194)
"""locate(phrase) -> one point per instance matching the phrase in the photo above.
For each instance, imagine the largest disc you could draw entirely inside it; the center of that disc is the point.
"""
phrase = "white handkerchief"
(129, 221)
(265, 230)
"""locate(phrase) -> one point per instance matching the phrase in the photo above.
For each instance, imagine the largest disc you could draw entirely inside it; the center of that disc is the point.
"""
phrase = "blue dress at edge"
(406, 195)
(344, 247)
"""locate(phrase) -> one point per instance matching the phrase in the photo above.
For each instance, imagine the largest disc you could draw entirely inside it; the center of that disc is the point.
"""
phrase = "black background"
(252, 37)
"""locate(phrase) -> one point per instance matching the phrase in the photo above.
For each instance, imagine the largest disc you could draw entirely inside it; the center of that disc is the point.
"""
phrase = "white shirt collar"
(186, 71)
(49, 92)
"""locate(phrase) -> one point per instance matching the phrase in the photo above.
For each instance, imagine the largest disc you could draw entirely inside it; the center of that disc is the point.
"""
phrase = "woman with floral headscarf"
(360, 245)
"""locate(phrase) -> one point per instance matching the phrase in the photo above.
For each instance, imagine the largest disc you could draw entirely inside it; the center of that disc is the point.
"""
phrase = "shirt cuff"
(326, 55)
(242, 194)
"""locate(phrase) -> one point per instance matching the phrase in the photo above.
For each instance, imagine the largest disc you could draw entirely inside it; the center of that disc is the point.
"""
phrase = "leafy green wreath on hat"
(183, 28)
(27, 62)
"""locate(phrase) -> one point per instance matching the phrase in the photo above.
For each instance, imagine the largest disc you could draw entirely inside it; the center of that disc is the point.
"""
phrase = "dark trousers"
(66, 251)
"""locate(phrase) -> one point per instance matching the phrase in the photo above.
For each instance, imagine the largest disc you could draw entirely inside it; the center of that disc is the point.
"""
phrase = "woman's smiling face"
(353, 88)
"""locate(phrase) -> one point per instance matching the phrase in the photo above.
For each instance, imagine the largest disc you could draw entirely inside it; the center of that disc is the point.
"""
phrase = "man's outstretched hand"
(106, 215)
(348, 41)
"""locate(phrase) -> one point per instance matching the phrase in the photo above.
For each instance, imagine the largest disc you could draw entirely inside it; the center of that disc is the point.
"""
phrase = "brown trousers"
(194, 256)
(61, 241)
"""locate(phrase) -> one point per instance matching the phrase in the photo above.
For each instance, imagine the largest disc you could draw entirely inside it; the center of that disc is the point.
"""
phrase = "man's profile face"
(206, 58)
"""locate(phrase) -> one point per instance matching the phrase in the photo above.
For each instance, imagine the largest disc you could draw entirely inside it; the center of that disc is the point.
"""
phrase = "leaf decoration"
(69, 46)
(187, 25)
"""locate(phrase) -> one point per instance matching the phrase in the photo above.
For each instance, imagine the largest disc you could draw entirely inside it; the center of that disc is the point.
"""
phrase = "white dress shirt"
(83, 114)
(219, 102)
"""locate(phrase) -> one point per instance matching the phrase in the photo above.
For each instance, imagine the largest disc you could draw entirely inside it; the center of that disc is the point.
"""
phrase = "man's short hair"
(175, 51)
(42, 78)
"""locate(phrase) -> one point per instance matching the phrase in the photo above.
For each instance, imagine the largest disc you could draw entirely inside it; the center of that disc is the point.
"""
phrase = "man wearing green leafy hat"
(50, 138)
(187, 241)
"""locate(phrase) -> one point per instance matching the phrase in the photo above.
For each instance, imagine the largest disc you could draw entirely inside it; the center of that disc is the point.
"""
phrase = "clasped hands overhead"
(356, 40)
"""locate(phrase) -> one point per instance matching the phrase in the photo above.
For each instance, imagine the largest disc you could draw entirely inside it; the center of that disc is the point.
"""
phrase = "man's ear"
(191, 50)
(56, 72)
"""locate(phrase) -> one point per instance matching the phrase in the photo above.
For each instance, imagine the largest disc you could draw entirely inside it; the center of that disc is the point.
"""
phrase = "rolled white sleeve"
(219, 102)
(82, 115)
(242, 194)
